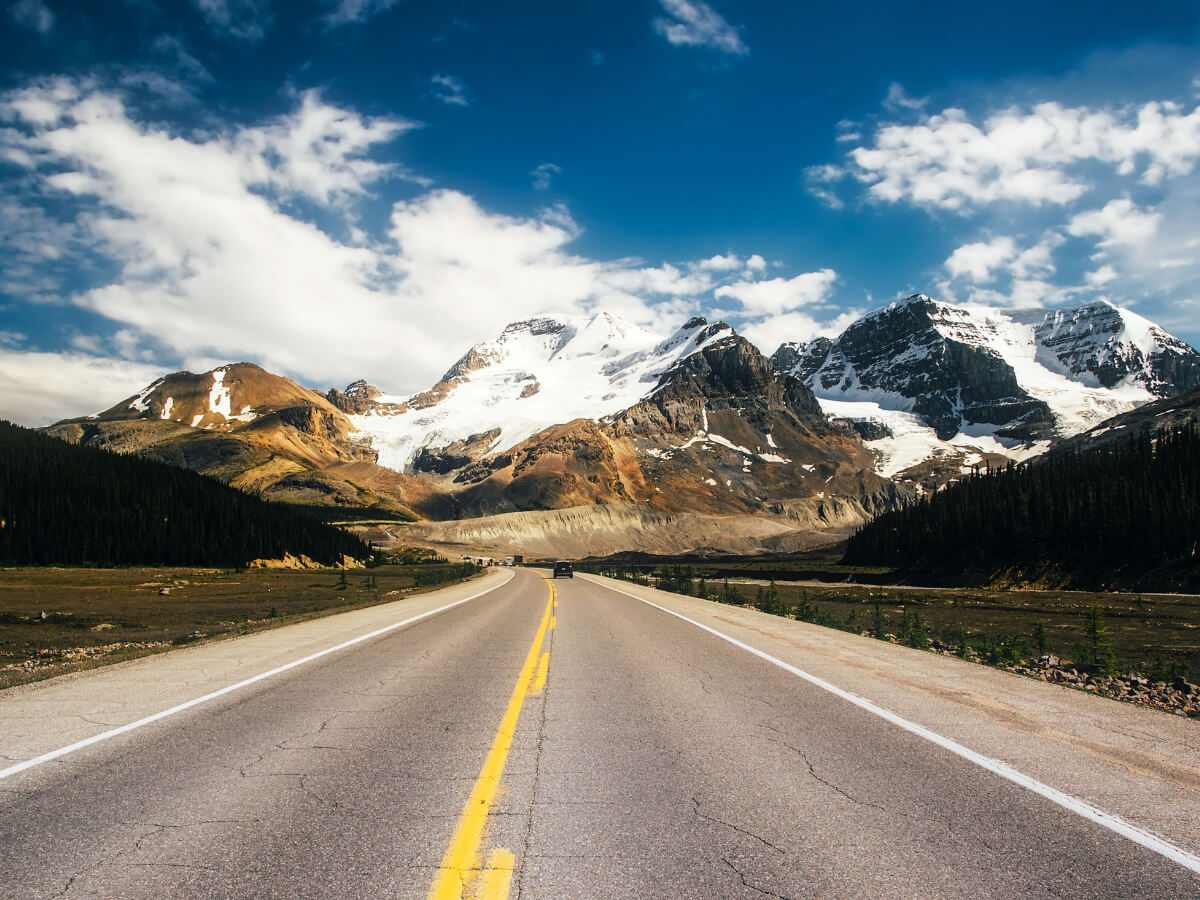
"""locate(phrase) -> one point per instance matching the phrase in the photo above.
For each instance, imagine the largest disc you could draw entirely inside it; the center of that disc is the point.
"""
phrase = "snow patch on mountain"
(219, 399)
(911, 441)
(540, 372)
(141, 402)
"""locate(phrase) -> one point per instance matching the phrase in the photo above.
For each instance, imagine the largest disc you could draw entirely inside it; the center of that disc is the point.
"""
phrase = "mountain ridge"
(584, 412)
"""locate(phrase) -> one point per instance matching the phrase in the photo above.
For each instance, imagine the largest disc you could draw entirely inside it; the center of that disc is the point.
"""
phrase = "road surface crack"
(829, 784)
(66, 888)
(737, 828)
(754, 887)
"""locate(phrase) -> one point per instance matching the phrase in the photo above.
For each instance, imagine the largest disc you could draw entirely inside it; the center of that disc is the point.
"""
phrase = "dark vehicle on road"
(564, 568)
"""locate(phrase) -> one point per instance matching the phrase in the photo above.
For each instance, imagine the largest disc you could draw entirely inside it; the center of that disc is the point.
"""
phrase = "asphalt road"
(650, 759)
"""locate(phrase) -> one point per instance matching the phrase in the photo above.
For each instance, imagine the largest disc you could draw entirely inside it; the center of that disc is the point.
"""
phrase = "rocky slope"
(582, 414)
(699, 422)
(244, 426)
(935, 388)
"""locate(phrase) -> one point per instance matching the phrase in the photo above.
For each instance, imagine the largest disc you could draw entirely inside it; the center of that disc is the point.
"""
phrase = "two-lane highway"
(547, 740)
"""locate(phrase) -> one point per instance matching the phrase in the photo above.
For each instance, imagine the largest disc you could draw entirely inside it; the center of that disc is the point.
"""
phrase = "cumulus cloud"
(204, 258)
(242, 20)
(768, 333)
(693, 23)
(779, 295)
(727, 262)
(1119, 224)
(981, 261)
(1101, 276)
(33, 14)
(1033, 157)
(449, 89)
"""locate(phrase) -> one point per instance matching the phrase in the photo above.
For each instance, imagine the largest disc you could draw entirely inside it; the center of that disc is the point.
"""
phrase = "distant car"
(564, 568)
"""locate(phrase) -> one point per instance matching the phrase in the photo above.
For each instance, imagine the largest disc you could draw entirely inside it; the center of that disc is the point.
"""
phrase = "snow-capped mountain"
(924, 380)
(538, 373)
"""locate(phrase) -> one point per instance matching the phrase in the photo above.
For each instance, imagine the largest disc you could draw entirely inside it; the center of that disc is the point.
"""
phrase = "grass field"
(1145, 630)
(55, 620)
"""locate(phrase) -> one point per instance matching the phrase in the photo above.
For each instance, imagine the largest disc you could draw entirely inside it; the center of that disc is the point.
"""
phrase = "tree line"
(1127, 511)
(62, 504)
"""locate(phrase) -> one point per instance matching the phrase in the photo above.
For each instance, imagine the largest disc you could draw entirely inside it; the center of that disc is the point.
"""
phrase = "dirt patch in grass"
(56, 620)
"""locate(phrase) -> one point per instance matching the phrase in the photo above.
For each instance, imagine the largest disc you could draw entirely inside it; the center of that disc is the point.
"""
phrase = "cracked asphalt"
(659, 761)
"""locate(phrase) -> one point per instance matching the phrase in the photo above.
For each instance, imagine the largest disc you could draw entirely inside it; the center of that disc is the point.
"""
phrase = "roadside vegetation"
(1125, 516)
(62, 504)
(1141, 648)
(55, 620)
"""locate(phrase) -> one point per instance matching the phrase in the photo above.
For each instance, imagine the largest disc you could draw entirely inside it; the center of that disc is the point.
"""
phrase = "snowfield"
(538, 373)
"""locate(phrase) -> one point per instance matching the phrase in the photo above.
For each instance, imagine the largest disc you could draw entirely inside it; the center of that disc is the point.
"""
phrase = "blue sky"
(363, 188)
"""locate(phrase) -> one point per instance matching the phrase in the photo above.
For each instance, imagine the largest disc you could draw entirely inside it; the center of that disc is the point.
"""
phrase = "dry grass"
(1142, 628)
(55, 620)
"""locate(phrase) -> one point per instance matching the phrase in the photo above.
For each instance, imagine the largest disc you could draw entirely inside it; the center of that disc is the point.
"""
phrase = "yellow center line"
(497, 877)
(461, 863)
(539, 680)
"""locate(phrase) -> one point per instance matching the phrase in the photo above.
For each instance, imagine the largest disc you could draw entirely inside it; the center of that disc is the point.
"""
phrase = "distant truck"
(516, 560)
(508, 561)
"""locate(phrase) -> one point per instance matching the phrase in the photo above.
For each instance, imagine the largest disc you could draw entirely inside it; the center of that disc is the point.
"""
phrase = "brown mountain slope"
(246, 427)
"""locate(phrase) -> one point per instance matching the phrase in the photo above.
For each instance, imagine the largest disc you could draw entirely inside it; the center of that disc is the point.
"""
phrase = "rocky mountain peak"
(358, 398)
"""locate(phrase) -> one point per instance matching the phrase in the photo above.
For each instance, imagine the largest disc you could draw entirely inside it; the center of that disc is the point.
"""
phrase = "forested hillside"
(1128, 513)
(63, 504)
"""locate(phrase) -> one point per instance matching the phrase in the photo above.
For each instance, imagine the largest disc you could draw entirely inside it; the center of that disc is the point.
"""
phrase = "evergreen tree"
(62, 504)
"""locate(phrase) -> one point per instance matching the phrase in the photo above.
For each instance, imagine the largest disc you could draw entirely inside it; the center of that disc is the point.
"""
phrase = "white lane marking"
(1004, 770)
(104, 736)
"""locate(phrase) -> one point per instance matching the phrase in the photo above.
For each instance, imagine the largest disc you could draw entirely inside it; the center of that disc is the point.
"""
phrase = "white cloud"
(40, 388)
(756, 263)
(543, 174)
(212, 262)
(33, 14)
(780, 295)
(818, 177)
(898, 99)
(243, 20)
(1033, 157)
(848, 130)
(978, 261)
(693, 23)
(1101, 276)
(450, 90)
(768, 333)
(1119, 224)
(982, 261)
(346, 12)
(728, 262)
(1038, 259)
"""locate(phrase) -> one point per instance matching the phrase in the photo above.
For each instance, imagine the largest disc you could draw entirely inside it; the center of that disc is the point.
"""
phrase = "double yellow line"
(462, 872)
